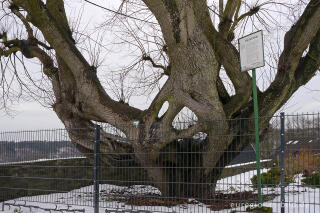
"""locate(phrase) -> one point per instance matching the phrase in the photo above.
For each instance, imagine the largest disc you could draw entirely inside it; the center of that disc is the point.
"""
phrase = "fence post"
(282, 152)
(96, 168)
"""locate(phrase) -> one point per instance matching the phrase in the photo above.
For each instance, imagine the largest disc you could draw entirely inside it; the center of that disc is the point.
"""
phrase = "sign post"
(252, 57)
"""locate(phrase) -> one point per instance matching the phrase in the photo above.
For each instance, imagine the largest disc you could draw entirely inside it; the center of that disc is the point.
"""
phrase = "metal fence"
(44, 170)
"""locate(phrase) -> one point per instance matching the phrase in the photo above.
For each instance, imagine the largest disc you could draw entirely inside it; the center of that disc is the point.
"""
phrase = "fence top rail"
(116, 128)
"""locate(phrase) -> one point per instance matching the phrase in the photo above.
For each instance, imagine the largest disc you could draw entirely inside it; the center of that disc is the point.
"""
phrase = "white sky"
(33, 116)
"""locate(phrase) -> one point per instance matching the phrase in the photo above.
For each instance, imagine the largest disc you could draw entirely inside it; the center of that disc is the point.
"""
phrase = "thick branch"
(9, 51)
(189, 132)
(309, 64)
(167, 14)
(173, 110)
(232, 7)
(228, 56)
(299, 37)
(150, 115)
(293, 71)
(221, 4)
(169, 134)
(223, 93)
(15, 10)
(58, 36)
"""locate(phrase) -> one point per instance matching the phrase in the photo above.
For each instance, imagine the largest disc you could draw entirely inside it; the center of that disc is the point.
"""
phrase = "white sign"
(251, 51)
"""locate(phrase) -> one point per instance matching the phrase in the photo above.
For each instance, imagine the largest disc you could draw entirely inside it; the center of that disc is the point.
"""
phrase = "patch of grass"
(109, 199)
(302, 162)
(312, 180)
(259, 209)
(271, 178)
(17, 211)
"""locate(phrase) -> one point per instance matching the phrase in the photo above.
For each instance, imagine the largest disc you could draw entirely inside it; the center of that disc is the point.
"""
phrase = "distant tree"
(197, 57)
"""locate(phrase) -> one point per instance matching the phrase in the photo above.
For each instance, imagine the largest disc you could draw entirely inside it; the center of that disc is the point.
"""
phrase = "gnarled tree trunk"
(196, 51)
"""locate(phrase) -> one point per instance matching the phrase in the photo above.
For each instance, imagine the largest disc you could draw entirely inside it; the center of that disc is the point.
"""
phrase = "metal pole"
(256, 128)
(282, 151)
(96, 168)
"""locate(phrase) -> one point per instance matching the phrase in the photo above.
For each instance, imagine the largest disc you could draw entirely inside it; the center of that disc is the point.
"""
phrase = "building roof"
(298, 145)
(303, 144)
(248, 154)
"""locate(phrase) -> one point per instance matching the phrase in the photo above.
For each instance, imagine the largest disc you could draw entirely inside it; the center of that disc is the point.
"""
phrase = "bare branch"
(165, 69)
(15, 10)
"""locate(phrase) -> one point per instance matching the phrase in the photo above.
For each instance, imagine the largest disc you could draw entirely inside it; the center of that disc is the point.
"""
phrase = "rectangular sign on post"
(252, 57)
(251, 51)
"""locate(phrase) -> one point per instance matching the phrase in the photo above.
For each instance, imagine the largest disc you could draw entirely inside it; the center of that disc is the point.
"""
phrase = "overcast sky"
(33, 116)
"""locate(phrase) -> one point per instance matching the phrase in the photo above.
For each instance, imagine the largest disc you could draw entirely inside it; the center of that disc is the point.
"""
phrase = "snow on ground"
(39, 160)
(237, 183)
(248, 163)
(298, 198)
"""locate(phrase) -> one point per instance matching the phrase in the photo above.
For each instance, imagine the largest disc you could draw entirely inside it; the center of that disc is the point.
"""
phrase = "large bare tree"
(198, 45)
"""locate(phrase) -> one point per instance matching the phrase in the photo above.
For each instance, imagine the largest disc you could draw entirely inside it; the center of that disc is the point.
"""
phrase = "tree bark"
(177, 164)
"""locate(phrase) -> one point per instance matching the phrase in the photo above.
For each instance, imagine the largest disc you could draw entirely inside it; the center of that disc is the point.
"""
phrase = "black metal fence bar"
(96, 168)
(282, 152)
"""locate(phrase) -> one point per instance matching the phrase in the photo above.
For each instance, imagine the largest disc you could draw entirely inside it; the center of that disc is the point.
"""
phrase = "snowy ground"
(39, 160)
(298, 199)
